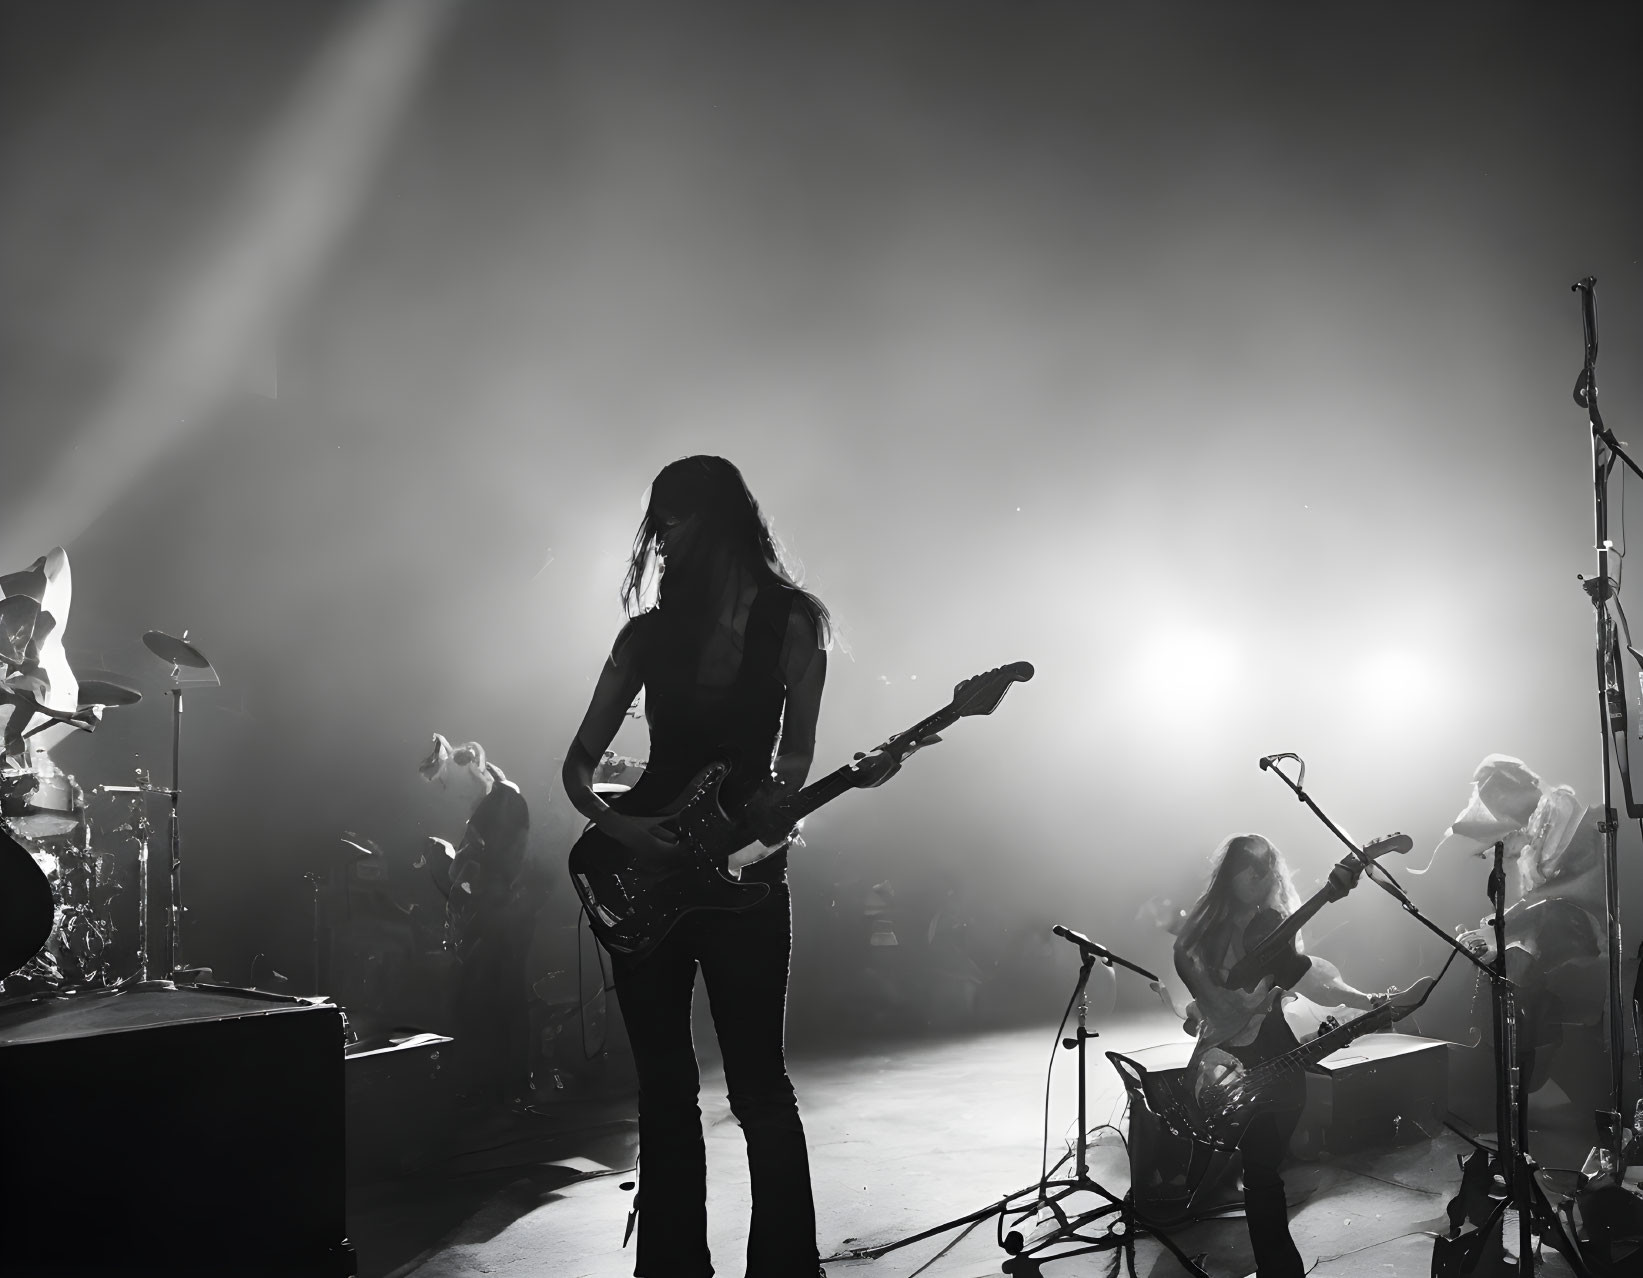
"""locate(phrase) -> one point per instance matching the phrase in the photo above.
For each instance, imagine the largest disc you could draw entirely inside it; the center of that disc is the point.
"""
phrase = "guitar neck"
(817, 793)
(1314, 1050)
(1263, 953)
(841, 780)
(1281, 934)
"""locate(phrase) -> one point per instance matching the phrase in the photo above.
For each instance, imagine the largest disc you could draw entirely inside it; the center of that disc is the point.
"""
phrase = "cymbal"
(101, 692)
(176, 652)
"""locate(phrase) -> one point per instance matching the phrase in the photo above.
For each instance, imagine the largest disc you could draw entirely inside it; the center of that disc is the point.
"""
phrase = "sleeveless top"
(692, 726)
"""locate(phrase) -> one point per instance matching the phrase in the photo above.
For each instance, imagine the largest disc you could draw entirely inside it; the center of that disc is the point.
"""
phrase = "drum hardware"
(177, 653)
(139, 827)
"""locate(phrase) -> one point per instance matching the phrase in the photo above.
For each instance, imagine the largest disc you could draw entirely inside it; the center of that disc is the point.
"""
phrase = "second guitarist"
(1248, 895)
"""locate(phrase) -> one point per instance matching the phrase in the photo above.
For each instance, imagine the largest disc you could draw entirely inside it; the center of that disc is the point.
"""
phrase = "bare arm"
(804, 670)
(619, 683)
(1324, 985)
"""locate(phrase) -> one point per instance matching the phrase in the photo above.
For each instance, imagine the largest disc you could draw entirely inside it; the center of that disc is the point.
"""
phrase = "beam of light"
(300, 192)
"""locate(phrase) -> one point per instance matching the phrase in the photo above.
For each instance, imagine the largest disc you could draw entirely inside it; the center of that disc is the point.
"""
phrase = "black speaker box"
(188, 1131)
(1383, 1089)
(401, 1104)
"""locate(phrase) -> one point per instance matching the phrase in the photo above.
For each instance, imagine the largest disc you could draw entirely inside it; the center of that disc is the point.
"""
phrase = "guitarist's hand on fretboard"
(1343, 877)
(764, 816)
(873, 770)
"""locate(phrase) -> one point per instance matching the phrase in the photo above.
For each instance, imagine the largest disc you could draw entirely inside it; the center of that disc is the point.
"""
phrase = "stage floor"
(902, 1138)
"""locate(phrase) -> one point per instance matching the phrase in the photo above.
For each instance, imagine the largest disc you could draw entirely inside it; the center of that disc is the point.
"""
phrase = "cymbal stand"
(174, 836)
(1118, 1232)
(143, 829)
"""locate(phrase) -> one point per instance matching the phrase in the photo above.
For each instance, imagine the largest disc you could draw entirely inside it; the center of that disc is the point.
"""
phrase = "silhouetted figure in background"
(490, 909)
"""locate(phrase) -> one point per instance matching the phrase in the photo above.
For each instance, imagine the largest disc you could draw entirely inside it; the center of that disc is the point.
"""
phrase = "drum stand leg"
(174, 907)
(142, 906)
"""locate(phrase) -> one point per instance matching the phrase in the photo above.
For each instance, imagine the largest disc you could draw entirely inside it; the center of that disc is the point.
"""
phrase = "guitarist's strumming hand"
(1224, 1014)
(655, 849)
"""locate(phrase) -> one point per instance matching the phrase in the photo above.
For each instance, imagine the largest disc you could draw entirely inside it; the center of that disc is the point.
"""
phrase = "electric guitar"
(630, 910)
(1219, 1096)
(1222, 1095)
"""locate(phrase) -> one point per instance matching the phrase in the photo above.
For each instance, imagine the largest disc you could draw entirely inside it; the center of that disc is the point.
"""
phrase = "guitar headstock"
(1403, 1002)
(980, 694)
(1388, 844)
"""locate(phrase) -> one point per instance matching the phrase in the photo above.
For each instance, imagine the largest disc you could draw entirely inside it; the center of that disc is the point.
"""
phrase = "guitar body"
(1223, 1098)
(1176, 1174)
(631, 911)
(1227, 1091)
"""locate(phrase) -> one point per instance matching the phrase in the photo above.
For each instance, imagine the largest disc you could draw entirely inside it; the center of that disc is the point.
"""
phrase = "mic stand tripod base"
(1120, 1232)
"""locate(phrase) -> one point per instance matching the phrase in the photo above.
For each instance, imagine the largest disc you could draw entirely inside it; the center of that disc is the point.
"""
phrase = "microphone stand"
(1606, 450)
(1126, 1222)
(1372, 869)
(1472, 1254)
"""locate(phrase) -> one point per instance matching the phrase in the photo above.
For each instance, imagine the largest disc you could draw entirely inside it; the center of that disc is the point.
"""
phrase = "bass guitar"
(1222, 1095)
(630, 910)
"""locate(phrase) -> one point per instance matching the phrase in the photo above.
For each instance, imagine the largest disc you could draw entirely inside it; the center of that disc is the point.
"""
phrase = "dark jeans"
(1265, 1146)
(744, 960)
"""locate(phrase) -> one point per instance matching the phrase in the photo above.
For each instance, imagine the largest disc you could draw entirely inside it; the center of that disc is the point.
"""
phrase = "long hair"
(1216, 905)
(730, 529)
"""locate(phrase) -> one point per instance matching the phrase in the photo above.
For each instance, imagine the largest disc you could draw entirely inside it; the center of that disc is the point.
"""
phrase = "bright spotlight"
(1183, 672)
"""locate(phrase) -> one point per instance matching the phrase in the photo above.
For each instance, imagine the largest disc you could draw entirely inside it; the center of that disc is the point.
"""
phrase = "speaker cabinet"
(1383, 1089)
(187, 1131)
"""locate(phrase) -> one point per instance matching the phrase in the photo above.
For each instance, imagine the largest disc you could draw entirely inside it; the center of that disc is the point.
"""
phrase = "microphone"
(1092, 950)
(1081, 941)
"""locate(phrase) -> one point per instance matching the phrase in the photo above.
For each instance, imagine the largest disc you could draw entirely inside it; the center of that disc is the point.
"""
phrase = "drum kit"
(59, 877)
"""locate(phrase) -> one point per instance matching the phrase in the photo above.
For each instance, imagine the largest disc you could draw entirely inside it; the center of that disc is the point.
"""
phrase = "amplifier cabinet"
(1383, 1089)
(188, 1131)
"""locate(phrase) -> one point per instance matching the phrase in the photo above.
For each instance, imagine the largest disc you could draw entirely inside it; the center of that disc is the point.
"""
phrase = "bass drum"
(26, 907)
